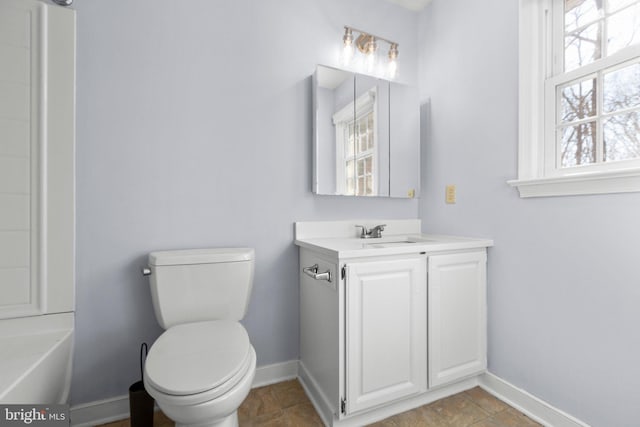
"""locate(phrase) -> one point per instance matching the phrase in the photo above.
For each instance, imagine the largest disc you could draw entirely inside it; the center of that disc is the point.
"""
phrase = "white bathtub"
(35, 358)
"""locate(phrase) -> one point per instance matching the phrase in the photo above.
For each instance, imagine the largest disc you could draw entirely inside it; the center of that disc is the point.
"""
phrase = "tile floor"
(286, 405)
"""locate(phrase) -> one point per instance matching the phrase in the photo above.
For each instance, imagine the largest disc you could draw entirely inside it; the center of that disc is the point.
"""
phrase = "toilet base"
(230, 421)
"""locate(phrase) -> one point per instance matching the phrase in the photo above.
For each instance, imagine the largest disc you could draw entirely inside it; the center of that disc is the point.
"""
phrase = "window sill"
(623, 181)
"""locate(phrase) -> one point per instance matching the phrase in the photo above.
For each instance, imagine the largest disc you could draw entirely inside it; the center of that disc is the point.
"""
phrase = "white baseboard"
(275, 373)
(117, 408)
(537, 409)
(100, 411)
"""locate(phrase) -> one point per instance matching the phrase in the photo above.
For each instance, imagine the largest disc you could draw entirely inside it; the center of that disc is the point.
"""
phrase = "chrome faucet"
(374, 233)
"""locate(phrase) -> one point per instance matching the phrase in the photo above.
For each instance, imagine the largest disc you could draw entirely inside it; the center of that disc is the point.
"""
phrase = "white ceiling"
(411, 4)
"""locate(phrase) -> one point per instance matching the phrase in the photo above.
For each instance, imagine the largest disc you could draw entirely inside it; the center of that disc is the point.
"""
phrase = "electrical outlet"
(450, 194)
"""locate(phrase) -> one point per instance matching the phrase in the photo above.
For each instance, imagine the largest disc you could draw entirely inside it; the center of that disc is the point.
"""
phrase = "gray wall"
(564, 292)
(194, 130)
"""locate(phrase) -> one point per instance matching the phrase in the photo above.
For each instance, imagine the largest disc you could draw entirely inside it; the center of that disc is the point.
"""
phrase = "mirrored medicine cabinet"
(366, 136)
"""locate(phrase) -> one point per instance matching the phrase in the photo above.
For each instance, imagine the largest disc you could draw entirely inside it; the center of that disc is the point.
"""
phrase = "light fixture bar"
(366, 33)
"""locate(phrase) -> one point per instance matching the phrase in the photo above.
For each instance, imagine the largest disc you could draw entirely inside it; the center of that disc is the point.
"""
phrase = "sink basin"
(386, 245)
(394, 243)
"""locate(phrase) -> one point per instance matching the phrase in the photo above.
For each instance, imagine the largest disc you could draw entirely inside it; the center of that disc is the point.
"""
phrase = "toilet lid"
(196, 357)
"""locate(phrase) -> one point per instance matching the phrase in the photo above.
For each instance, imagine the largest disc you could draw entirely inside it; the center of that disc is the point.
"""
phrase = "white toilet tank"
(201, 284)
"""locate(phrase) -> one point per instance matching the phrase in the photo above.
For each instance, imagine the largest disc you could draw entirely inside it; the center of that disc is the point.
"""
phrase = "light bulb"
(347, 54)
(370, 60)
(392, 67)
(347, 49)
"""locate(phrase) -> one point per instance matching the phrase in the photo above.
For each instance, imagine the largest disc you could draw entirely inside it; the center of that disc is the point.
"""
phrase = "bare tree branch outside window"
(613, 116)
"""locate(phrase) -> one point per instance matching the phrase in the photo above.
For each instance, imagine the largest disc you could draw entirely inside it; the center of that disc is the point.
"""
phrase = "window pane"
(361, 187)
(614, 5)
(623, 29)
(622, 89)
(362, 134)
(580, 12)
(369, 185)
(368, 165)
(578, 145)
(578, 101)
(583, 46)
(622, 137)
(360, 170)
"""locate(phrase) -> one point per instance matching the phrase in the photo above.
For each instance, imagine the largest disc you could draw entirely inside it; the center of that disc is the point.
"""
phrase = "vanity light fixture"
(367, 44)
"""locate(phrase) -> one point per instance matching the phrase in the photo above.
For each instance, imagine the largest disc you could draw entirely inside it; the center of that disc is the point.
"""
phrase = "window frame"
(539, 82)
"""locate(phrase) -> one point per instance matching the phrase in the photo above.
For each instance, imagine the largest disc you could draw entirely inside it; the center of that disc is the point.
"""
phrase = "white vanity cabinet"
(363, 335)
(389, 324)
(457, 316)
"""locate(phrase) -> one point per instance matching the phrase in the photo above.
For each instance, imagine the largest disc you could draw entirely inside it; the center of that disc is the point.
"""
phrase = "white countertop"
(400, 236)
(354, 247)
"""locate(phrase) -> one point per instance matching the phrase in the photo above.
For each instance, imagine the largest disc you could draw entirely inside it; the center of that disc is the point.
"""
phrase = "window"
(356, 137)
(579, 97)
(359, 155)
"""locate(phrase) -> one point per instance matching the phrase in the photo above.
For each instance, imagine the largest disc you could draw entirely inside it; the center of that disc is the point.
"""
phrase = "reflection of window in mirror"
(356, 152)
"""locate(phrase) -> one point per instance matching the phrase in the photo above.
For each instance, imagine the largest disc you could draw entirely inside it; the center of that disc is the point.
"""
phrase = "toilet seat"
(248, 370)
(196, 362)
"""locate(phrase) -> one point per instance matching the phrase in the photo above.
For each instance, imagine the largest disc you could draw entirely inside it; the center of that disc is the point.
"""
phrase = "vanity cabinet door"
(386, 344)
(457, 316)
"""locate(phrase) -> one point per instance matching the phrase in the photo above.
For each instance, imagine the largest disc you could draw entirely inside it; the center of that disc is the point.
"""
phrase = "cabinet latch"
(343, 405)
(343, 272)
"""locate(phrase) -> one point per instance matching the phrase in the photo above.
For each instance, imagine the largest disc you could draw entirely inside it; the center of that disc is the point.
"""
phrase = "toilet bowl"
(201, 368)
(200, 373)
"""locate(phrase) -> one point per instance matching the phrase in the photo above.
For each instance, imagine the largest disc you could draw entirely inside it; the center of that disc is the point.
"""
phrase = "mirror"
(366, 135)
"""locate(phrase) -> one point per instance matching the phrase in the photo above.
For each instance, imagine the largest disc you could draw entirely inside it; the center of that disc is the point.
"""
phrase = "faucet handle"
(377, 230)
(364, 231)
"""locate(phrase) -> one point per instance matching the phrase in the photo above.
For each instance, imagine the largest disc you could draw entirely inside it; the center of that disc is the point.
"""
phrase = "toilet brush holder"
(140, 402)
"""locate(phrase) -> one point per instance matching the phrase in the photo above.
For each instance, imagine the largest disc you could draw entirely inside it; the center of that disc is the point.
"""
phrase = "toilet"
(201, 368)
